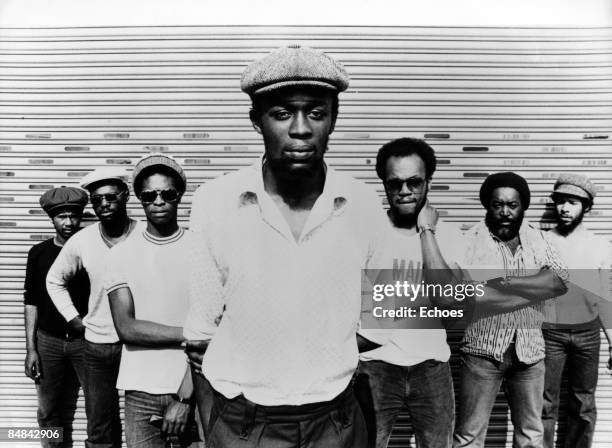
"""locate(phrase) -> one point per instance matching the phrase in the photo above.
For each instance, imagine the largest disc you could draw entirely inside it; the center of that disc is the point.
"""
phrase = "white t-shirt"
(407, 347)
(86, 250)
(155, 270)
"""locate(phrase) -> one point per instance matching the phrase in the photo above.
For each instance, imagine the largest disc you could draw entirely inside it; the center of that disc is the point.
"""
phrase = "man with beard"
(571, 329)
(399, 372)
(507, 346)
(276, 282)
(87, 252)
(55, 351)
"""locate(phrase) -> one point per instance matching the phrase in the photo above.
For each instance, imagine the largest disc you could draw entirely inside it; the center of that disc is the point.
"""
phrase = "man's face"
(295, 124)
(67, 222)
(406, 185)
(505, 213)
(160, 199)
(570, 211)
(108, 201)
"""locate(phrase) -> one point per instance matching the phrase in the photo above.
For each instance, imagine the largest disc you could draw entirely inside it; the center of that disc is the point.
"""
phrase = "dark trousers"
(580, 350)
(63, 370)
(101, 396)
(332, 424)
(426, 389)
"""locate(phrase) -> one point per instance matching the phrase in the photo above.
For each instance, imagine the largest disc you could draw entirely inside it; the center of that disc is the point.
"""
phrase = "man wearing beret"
(55, 351)
(146, 283)
(87, 252)
(507, 345)
(277, 269)
(571, 329)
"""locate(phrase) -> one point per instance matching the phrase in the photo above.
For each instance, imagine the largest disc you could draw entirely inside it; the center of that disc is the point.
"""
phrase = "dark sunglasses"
(413, 184)
(149, 196)
(96, 199)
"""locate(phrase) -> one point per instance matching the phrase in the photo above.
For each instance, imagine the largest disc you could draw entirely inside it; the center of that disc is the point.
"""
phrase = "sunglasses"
(149, 196)
(413, 184)
(96, 199)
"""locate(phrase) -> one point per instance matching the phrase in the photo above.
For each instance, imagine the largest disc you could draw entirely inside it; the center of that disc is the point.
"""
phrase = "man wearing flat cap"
(55, 351)
(278, 256)
(507, 345)
(571, 328)
(87, 252)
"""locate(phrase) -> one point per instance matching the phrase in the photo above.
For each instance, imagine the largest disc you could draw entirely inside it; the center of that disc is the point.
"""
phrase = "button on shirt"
(290, 309)
(490, 335)
(588, 257)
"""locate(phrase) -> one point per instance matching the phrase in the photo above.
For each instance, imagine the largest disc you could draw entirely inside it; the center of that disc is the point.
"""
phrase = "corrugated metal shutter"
(537, 101)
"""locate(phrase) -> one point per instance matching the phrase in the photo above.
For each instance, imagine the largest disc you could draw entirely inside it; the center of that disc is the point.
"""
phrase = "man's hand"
(195, 352)
(76, 325)
(32, 365)
(175, 418)
(610, 359)
(428, 216)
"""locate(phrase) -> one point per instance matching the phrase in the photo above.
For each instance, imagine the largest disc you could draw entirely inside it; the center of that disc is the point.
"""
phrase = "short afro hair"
(404, 147)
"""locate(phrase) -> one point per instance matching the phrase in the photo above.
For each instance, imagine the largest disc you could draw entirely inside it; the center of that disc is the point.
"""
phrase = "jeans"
(580, 350)
(426, 389)
(63, 368)
(480, 381)
(101, 396)
(139, 408)
(240, 423)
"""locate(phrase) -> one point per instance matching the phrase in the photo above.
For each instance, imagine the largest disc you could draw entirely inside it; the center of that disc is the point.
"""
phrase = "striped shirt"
(488, 334)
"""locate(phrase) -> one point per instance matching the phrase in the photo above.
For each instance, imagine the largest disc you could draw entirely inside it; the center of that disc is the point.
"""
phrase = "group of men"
(264, 291)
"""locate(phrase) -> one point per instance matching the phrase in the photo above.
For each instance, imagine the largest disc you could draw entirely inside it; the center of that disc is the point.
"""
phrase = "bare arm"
(177, 413)
(136, 331)
(541, 286)
(32, 362)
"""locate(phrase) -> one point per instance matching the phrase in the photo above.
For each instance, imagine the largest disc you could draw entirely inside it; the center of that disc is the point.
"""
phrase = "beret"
(575, 185)
(157, 159)
(55, 200)
(505, 179)
(293, 66)
(114, 173)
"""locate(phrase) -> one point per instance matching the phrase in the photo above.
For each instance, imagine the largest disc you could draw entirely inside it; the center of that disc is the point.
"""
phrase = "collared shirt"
(588, 258)
(489, 334)
(288, 309)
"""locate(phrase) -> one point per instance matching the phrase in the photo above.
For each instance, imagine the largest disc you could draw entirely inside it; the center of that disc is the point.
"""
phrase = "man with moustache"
(571, 329)
(55, 351)
(276, 282)
(400, 372)
(87, 252)
(507, 346)
(146, 282)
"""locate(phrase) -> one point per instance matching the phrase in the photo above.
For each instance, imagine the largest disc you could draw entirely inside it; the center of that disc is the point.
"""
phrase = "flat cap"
(293, 66)
(505, 179)
(110, 173)
(575, 185)
(55, 200)
(147, 162)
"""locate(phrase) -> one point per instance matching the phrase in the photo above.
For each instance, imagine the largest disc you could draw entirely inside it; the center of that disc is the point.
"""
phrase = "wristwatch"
(427, 227)
(187, 400)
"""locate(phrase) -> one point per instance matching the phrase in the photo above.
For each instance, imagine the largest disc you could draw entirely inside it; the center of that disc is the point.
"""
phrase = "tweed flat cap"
(157, 160)
(575, 185)
(505, 179)
(293, 66)
(55, 200)
(110, 173)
